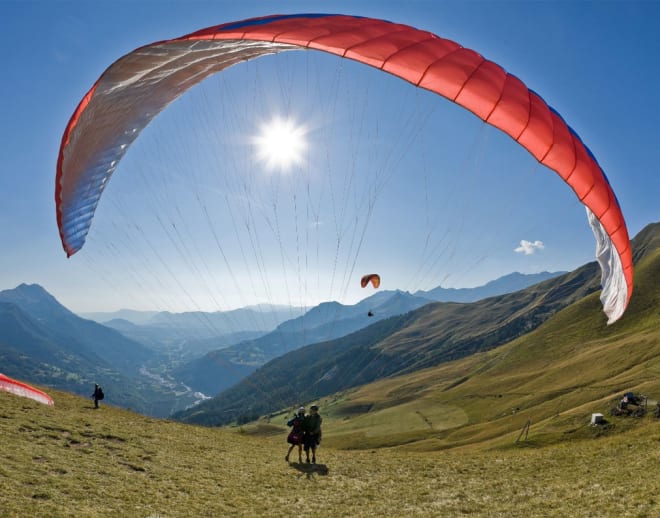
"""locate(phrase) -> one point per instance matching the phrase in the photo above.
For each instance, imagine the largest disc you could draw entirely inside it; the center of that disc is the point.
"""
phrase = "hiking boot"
(313, 460)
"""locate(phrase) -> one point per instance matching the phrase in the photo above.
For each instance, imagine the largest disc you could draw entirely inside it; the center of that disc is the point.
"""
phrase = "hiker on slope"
(97, 395)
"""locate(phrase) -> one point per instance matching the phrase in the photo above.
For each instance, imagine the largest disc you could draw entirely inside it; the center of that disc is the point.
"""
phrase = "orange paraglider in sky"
(372, 278)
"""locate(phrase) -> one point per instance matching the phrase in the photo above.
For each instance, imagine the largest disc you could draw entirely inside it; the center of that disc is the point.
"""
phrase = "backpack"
(100, 394)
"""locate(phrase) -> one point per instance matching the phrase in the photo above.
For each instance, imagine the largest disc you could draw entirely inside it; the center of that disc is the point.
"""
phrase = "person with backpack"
(98, 395)
(312, 429)
(295, 437)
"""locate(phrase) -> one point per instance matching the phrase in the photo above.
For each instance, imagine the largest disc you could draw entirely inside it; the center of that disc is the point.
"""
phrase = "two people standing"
(306, 433)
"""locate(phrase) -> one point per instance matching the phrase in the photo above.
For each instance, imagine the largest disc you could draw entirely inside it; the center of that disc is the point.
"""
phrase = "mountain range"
(507, 284)
(173, 359)
(426, 337)
(222, 368)
(43, 342)
(192, 334)
(155, 371)
(155, 361)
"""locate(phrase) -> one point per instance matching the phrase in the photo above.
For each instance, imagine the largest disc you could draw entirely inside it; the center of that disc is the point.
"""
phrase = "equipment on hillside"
(22, 389)
(630, 405)
(525, 431)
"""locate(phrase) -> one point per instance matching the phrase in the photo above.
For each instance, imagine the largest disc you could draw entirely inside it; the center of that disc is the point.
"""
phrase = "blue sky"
(594, 62)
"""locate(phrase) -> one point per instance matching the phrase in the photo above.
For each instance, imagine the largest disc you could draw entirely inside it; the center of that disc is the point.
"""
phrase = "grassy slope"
(556, 377)
(71, 460)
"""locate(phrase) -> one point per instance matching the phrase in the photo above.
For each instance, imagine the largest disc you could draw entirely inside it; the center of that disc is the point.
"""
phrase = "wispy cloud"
(529, 247)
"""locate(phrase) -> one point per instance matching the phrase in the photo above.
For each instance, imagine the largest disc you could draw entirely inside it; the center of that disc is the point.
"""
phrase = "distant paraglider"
(22, 389)
(372, 278)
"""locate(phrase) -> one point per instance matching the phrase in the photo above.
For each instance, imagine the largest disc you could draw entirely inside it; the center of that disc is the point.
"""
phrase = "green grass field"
(72, 460)
(437, 442)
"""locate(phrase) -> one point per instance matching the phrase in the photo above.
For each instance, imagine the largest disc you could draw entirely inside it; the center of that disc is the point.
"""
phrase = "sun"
(281, 143)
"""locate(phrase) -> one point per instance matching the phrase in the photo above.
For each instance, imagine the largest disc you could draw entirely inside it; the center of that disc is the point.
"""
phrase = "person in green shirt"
(312, 428)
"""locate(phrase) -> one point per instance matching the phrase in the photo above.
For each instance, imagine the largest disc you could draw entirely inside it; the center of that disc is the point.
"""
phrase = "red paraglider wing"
(372, 278)
(139, 85)
(22, 389)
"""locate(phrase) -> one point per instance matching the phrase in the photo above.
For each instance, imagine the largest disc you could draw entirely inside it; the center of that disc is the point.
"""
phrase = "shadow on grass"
(310, 469)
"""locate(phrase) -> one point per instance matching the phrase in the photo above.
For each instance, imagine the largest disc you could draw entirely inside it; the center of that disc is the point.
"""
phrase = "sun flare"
(281, 143)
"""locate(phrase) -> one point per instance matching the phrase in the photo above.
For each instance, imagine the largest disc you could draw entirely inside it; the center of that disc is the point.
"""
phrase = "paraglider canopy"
(138, 86)
(23, 389)
(372, 278)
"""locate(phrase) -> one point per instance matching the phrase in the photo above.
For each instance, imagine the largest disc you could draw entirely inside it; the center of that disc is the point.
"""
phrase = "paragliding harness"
(296, 434)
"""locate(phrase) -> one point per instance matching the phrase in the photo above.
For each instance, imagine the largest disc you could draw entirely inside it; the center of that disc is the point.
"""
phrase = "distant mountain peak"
(30, 290)
(34, 299)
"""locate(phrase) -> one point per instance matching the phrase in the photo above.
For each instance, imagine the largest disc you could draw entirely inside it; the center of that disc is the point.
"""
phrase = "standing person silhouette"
(295, 437)
(312, 428)
(98, 395)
